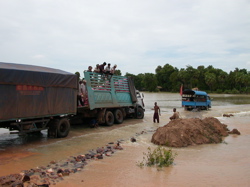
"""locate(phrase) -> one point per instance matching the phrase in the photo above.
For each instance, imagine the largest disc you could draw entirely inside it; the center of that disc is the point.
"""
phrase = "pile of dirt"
(193, 131)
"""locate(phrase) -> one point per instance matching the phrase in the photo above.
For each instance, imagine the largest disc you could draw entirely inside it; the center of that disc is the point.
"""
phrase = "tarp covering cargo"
(28, 91)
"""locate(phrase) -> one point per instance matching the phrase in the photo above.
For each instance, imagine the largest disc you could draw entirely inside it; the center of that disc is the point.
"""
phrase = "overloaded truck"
(34, 98)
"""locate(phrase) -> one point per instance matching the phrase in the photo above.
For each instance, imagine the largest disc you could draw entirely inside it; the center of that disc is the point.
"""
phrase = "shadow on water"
(12, 140)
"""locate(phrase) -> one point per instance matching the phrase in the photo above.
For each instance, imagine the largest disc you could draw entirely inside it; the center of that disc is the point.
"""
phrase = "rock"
(66, 173)
(59, 174)
(52, 162)
(79, 165)
(234, 131)
(50, 170)
(133, 139)
(227, 115)
(60, 171)
(99, 156)
(100, 150)
(64, 164)
(17, 184)
(55, 171)
(193, 131)
(25, 178)
(28, 184)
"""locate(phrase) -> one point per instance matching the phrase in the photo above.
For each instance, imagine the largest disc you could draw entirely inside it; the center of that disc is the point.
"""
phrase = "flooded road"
(225, 164)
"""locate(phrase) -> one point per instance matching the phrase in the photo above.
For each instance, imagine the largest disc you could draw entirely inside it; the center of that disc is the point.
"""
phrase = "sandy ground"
(224, 164)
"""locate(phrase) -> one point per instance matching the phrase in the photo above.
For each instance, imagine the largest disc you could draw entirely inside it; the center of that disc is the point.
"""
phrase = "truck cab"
(192, 99)
(140, 98)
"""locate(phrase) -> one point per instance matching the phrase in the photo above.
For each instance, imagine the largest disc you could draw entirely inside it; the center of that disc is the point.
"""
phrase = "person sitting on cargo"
(176, 115)
(101, 67)
(112, 71)
(89, 69)
(108, 69)
(97, 68)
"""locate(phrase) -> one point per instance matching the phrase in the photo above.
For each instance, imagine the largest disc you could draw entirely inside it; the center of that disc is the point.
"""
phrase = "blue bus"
(192, 99)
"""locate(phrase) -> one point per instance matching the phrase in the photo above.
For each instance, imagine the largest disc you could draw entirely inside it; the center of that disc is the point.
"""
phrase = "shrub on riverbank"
(160, 157)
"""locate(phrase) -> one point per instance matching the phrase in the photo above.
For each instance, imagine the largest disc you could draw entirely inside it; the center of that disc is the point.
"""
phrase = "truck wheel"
(109, 118)
(118, 116)
(63, 127)
(140, 113)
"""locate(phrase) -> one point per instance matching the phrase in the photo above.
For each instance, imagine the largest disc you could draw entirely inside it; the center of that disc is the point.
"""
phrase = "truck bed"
(109, 92)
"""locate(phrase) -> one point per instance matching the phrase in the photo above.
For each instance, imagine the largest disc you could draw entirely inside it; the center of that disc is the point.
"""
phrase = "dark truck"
(34, 98)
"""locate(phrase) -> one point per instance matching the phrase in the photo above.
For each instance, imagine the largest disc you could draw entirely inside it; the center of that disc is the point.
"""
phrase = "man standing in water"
(156, 113)
(175, 115)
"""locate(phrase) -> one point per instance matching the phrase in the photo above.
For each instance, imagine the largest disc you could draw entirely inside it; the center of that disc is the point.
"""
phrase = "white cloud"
(136, 35)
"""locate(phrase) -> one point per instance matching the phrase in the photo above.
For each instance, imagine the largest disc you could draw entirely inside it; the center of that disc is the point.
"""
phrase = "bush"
(159, 157)
(235, 91)
(219, 91)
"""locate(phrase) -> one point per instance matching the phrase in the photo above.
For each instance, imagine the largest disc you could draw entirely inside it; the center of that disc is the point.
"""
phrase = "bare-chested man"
(156, 113)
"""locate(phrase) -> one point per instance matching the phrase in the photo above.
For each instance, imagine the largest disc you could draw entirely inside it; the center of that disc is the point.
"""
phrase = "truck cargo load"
(32, 91)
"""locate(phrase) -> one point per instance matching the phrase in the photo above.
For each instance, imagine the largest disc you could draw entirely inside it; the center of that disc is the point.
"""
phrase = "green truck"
(34, 98)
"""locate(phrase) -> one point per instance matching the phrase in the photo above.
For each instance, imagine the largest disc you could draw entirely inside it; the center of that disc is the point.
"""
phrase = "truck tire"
(118, 116)
(109, 118)
(63, 127)
(140, 113)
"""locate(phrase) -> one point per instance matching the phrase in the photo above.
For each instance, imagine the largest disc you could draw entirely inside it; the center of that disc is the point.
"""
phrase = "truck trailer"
(34, 98)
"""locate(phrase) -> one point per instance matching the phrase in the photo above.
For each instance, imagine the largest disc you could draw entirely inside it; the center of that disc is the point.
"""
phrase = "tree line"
(210, 79)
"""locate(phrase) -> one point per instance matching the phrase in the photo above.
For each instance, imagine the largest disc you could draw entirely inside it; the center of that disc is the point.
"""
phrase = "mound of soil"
(193, 131)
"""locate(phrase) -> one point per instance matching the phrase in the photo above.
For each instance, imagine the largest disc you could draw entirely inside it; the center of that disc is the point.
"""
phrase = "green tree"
(210, 79)
(201, 83)
(150, 82)
(183, 77)
(162, 76)
(193, 76)
(118, 72)
(138, 80)
(221, 79)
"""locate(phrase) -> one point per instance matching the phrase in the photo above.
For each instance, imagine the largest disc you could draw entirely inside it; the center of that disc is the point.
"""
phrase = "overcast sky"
(137, 35)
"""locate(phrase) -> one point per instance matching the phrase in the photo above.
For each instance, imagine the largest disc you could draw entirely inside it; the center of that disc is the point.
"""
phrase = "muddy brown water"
(224, 164)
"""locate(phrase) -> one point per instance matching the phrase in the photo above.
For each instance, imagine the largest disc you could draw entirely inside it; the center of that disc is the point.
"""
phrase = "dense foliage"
(169, 78)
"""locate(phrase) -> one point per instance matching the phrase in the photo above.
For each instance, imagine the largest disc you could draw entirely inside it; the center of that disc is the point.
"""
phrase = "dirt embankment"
(193, 131)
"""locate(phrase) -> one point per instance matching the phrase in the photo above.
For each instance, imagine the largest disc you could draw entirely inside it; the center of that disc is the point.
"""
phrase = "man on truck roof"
(101, 67)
